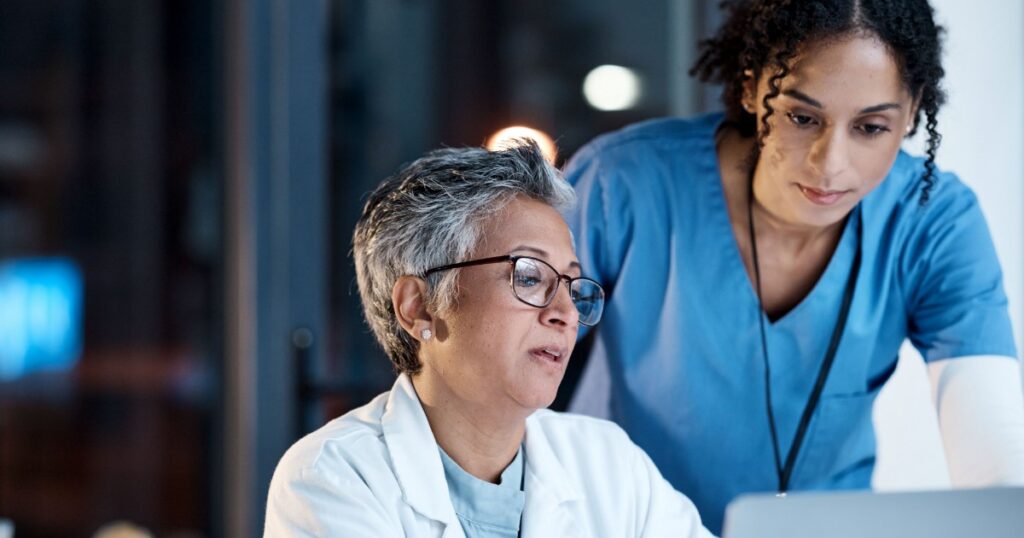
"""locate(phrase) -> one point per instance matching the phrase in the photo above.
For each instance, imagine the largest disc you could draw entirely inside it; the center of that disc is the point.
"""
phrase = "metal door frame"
(275, 113)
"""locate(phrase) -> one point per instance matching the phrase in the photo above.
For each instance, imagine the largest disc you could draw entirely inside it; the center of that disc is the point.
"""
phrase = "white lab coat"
(376, 472)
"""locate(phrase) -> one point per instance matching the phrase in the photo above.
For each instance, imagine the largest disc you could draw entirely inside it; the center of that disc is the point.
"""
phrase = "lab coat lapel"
(550, 493)
(415, 457)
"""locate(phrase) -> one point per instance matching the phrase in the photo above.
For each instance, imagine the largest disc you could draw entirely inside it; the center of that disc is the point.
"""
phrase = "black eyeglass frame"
(512, 275)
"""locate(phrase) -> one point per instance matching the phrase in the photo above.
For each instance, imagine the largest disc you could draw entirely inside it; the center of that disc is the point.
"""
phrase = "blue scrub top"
(680, 334)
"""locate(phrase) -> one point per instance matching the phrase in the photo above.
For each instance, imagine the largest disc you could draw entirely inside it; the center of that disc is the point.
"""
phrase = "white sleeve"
(668, 513)
(306, 503)
(981, 418)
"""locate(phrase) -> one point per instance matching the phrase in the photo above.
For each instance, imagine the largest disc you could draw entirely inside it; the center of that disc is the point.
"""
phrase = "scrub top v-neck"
(680, 344)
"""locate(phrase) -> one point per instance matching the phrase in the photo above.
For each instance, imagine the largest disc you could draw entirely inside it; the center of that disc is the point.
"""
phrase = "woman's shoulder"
(338, 481)
(898, 216)
(905, 183)
(573, 432)
(898, 210)
(662, 138)
(339, 443)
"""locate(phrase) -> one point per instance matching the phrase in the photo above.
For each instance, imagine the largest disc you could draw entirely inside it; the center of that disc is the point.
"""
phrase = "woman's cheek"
(874, 163)
(785, 152)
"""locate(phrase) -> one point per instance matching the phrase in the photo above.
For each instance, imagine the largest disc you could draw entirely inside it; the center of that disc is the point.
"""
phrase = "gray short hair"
(429, 214)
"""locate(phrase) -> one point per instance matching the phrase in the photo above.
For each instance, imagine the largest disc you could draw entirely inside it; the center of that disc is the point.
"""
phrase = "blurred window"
(110, 256)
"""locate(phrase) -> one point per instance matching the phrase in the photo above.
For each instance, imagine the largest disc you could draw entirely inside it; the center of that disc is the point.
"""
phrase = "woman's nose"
(828, 156)
(562, 310)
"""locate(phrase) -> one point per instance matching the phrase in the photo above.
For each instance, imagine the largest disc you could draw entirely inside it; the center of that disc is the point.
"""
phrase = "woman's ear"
(914, 107)
(749, 98)
(409, 299)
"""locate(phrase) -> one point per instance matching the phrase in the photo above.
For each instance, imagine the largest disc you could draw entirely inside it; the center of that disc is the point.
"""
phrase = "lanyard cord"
(785, 472)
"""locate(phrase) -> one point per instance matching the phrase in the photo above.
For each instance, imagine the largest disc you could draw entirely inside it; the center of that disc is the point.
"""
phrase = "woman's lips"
(821, 197)
(556, 354)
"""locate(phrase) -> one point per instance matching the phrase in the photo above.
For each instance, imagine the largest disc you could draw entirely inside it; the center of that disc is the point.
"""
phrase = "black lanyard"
(785, 472)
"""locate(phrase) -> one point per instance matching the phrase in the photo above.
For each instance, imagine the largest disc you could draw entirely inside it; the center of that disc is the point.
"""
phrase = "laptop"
(990, 513)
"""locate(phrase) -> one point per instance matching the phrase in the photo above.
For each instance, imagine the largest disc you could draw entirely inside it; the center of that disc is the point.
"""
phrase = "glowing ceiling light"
(510, 135)
(612, 87)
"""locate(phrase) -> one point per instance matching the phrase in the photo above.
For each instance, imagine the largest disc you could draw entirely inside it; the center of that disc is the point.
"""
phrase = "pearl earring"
(426, 334)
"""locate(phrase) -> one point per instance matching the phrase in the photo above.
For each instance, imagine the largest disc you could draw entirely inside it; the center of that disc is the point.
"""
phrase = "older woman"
(469, 281)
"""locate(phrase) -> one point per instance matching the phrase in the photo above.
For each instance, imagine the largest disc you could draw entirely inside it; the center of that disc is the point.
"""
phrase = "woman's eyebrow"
(803, 97)
(543, 254)
(534, 250)
(880, 108)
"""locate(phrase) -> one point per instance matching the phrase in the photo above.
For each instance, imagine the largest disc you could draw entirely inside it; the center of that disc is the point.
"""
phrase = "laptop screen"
(992, 513)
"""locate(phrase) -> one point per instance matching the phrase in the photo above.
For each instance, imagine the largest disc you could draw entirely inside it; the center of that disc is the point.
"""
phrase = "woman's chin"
(538, 396)
(817, 216)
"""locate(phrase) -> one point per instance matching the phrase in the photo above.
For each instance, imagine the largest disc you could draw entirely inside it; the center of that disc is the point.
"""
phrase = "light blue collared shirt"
(487, 510)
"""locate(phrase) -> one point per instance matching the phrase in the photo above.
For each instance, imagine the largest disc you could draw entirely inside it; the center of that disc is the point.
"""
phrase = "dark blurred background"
(178, 185)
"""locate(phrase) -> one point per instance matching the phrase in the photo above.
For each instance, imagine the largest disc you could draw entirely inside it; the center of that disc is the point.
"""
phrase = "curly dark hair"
(762, 36)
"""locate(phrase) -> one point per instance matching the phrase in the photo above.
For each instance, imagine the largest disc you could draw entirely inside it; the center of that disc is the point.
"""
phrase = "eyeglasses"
(535, 283)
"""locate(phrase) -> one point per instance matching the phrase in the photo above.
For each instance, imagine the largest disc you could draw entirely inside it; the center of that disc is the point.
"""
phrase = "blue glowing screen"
(40, 315)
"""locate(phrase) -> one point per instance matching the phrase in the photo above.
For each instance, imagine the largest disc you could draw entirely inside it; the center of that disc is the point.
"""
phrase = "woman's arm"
(981, 417)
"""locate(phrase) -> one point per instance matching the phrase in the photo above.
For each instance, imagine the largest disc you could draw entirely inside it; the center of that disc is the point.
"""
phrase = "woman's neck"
(482, 440)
